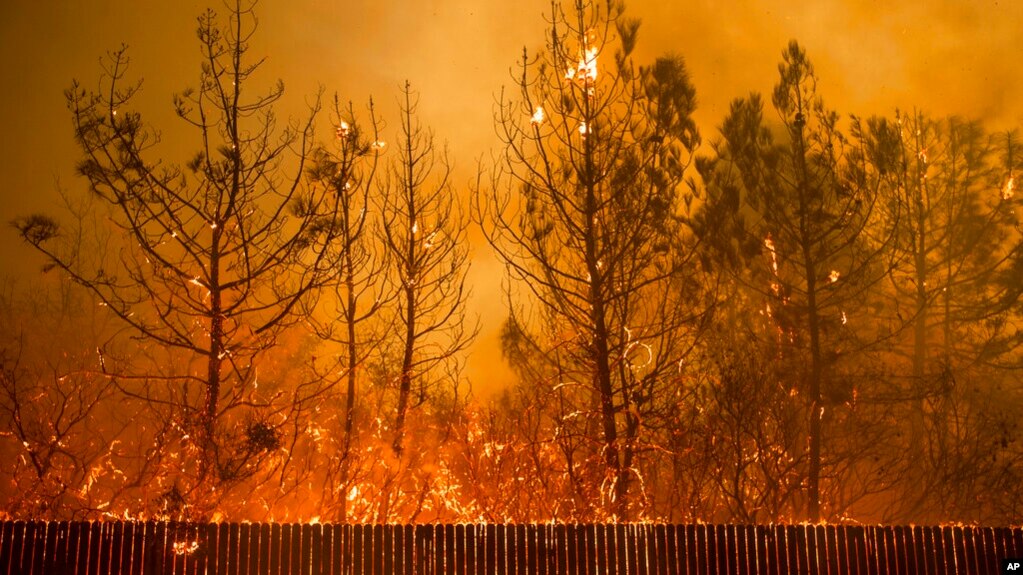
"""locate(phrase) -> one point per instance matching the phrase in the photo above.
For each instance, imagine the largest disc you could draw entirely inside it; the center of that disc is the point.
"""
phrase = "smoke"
(945, 57)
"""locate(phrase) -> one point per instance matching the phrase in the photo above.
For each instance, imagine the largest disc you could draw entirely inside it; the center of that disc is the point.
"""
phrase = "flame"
(538, 116)
(343, 129)
(1007, 190)
(588, 65)
(834, 275)
(769, 244)
(185, 547)
(584, 129)
(586, 70)
(430, 240)
(845, 319)
(379, 145)
(632, 344)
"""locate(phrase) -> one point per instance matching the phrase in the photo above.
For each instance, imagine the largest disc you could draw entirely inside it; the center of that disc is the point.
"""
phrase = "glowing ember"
(538, 116)
(586, 70)
(769, 244)
(430, 240)
(185, 547)
(631, 345)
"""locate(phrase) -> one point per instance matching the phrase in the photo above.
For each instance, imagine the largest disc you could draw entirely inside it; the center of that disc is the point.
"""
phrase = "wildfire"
(632, 344)
(185, 547)
(769, 244)
(430, 240)
(538, 116)
(586, 70)
(1007, 190)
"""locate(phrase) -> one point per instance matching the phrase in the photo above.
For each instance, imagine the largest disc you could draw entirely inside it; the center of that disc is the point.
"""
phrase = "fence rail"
(312, 549)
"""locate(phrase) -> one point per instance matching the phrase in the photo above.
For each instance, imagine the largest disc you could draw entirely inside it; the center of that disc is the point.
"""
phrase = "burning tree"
(954, 281)
(64, 440)
(953, 252)
(424, 232)
(214, 258)
(351, 316)
(587, 206)
(800, 221)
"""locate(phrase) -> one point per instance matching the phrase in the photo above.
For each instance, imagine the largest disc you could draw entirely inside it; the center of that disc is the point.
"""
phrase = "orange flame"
(185, 547)
(586, 70)
(769, 244)
(538, 116)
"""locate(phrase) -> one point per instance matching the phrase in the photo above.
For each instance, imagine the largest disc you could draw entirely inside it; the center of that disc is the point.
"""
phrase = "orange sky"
(941, 56)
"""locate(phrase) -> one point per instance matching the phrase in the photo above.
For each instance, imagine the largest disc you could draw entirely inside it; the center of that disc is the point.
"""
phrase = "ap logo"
(1012, 565)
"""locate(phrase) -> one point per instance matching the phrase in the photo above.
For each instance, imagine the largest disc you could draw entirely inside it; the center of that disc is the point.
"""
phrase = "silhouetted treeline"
(805, 315)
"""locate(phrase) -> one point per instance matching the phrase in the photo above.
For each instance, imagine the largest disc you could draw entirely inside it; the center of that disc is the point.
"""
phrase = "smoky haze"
(942, 57)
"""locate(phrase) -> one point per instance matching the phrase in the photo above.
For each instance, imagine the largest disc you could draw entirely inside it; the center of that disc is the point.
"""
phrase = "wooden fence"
(274, 548)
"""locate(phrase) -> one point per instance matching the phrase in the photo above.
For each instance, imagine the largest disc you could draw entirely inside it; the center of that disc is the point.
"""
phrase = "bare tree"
(216, 257)
(587, 206)
(347, 170)
(64, 442)
(424, 231)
